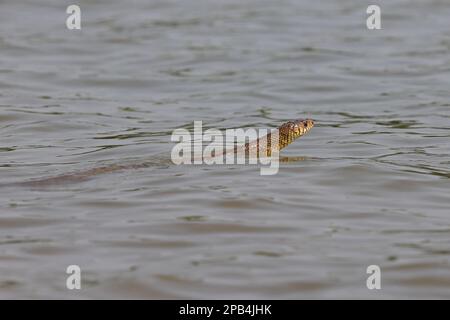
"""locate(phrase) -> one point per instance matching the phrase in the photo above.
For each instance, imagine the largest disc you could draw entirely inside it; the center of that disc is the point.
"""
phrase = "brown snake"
(287, 133)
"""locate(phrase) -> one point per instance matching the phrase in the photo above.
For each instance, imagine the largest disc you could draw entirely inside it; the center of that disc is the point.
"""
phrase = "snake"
(288, 132)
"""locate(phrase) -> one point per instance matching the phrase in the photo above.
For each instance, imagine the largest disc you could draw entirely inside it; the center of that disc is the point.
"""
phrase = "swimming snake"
(288, 132)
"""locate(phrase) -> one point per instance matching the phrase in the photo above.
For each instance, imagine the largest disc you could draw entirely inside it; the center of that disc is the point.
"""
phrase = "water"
(370, 185)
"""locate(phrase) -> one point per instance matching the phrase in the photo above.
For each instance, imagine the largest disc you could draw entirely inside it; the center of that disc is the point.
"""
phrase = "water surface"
(370, 184)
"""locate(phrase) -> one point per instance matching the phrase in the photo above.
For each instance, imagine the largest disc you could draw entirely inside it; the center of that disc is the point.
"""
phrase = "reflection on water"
(368, 185)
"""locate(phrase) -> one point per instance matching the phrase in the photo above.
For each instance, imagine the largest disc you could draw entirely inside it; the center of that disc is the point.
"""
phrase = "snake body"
(288, 132)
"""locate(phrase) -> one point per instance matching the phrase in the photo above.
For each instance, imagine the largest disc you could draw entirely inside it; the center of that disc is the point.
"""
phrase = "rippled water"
(368, 185)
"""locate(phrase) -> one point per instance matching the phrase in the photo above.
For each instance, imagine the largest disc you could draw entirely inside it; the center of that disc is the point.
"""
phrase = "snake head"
(297, 128)
(292, 130)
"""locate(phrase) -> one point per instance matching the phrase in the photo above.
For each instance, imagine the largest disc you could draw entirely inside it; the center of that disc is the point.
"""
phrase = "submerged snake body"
(287, 133)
